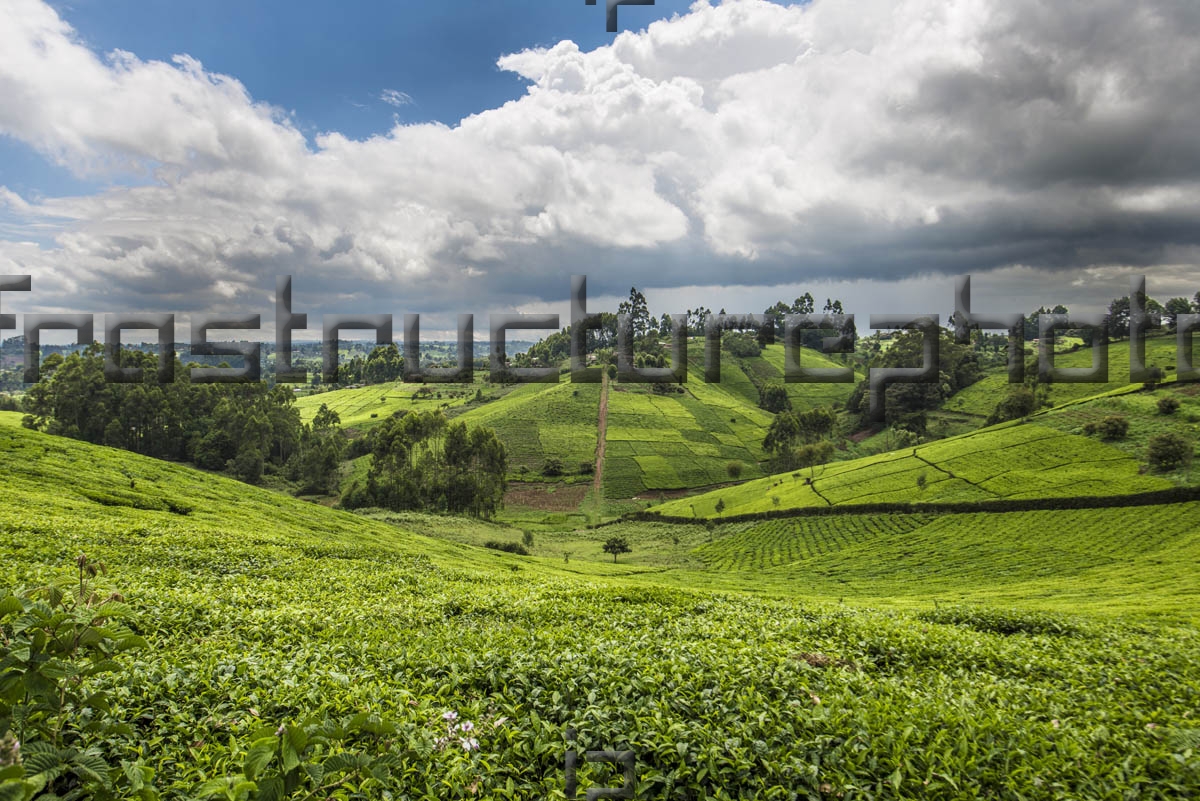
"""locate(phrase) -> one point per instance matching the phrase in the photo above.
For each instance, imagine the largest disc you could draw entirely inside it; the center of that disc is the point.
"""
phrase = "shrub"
(527, 539)
(720, 505)
(1168, 404)
(1169, 451)
(507, 547)
(734, 469)
(1000, 621)
(1114, 426)
(553, 466)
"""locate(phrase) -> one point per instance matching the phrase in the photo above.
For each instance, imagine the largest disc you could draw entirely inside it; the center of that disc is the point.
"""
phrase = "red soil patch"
(563, 498)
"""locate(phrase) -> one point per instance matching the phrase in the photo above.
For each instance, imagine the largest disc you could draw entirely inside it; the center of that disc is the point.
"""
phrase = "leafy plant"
(54, 641)
(1168, 451)
(1168, 404)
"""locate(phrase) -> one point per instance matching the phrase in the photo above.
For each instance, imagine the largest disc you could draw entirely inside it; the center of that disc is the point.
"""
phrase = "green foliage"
(1169, 451)
(1019, 402)
(54, 643)
(507, 547)
(1009, 462)
(267, 612)
(741, 344)
(422, 461)
(241, 428)
(1168, 404)
(616, 546)
(1112, 427)
(775, 398)
(1001, 621)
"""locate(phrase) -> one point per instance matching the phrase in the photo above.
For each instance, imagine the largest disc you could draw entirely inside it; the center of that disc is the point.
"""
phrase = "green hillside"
(364, 407)
(981, 398)
(1011, 461)
(541, 421)
(270, 624)
(1094, 559)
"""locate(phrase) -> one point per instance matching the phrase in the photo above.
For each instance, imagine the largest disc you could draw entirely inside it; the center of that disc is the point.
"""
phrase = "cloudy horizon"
(723, 155)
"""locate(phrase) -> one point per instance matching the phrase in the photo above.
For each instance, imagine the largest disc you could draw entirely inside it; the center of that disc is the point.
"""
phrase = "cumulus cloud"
(746, 143)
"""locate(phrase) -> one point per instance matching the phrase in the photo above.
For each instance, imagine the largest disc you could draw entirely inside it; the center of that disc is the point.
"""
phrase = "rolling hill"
(269, 620)
(1011, 461)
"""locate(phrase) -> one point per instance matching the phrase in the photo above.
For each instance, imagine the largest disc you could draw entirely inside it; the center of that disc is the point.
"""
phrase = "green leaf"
(257, 758)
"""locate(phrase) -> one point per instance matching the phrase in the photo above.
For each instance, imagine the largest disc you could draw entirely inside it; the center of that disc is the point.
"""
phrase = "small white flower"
(469, 743)
(466, 725)
(451, 715)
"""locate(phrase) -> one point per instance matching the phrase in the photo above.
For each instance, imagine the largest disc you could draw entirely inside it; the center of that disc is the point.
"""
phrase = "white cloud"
(741, 144)
(394, 97)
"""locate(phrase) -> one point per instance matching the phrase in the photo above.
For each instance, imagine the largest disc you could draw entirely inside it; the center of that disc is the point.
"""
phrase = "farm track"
(602, 427)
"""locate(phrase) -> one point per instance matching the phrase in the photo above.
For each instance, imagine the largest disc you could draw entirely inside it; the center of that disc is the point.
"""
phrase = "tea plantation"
(290, 650)
(1016, 461)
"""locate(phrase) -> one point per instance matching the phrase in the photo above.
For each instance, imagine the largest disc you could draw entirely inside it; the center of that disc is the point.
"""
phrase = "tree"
(774, 398)
(1169, 451)
(617, 546)
(422, 461)
(1019, 402)
(638, 311)
(720, 505)
(1174, 308)
(734, 469)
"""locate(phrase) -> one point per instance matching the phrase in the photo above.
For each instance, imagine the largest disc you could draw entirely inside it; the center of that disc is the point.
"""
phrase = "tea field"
(981, 397)
(1016, 460)
(292, 650)
(365, 407)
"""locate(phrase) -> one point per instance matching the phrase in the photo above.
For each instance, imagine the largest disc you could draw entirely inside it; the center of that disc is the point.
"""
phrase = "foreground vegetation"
(285, 649)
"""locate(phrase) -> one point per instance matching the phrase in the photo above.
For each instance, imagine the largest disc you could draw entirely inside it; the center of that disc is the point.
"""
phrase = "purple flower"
(469, 743)
(451, 715)
(466, 725)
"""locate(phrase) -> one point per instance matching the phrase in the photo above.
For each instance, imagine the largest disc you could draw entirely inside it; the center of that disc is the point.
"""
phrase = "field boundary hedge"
(1154, 498)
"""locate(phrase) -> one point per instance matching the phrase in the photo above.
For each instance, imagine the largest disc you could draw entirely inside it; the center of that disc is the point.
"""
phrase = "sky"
(399, 157)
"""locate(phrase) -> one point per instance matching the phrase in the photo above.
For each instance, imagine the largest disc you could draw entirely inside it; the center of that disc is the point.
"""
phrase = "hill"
(1014, 461)
(980, 398)
(283, 636)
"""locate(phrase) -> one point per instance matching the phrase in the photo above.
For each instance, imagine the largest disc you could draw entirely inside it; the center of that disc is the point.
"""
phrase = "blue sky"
(330, 62)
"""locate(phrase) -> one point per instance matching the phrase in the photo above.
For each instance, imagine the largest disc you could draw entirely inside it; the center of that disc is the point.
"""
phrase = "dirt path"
(603, 427)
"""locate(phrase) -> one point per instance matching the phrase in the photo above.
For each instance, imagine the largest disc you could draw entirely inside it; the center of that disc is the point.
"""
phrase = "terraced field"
(663, 442)
(539, 421)
(1064, 559)
(981, 398)
(1010, 461)
(364, 407)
